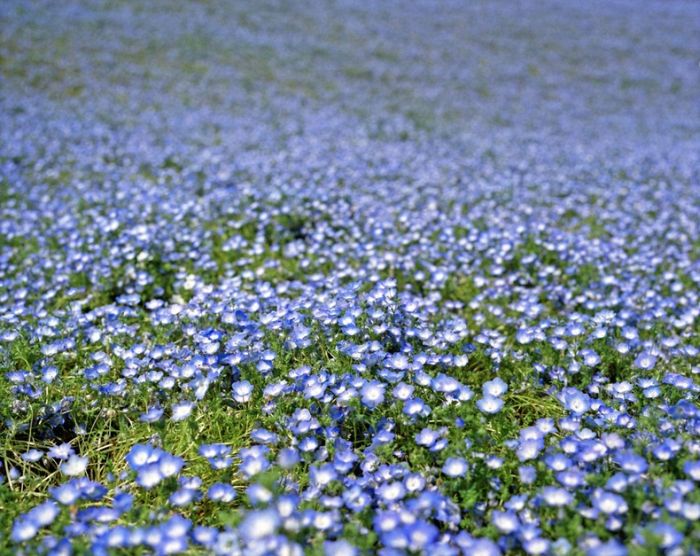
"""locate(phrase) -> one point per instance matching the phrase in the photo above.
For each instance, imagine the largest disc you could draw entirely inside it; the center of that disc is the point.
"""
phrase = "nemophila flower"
(152, 415)
(184, 497)
(667, 534)
(391, 492)
(427, 437)
(181, 411)
(692, 469)
(536, 545)
(62, 451)
(590, 451)
(402, 391)
(561, 547)
(494, 462)
(242, 391)
(414, 482)
(49, 374)
(308, 444)
(557, 462)
(619, 482)
(274, 389)
(372, 393)
(123, 501)
(66, 493)
(575, 401)
(415, 407)
(90, 490)
(523, 336)
(631, 462)
(206, 536)
(645, 361)
(263, 436)
(445, 384)
(386, 520)
(608, 503)
(454, 467)
(383, 437)
(258, 495)
(556, 496)
(571, 478)
(32, 455)
(43, 514)
(590, 357)
(490, 404)
(251, 466)
(420, 534)
(141, 454)
(496, 387)
(218, 455)
(152, 465)
(75, 465)
(344, 460)
(465, 394)
(171, 536)
(288, 458)
(527, 474)
(149, 476)
(27, 526)
(322, 475)
(220, 492)
(355, 498)
(690, 511)
(23, 529)
(287, 505)
(609, 548)
(483, 547)
(505, 522)
(339, 548)
(529, 449)
(259, 524)
(652, 392)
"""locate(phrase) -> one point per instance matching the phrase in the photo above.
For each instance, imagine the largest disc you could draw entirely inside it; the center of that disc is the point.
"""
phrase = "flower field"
(345, 278)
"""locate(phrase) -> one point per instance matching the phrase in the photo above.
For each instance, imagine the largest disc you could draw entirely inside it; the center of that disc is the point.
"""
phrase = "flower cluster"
(352, 279)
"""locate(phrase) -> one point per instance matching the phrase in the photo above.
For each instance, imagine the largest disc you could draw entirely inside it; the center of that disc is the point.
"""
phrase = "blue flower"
(692, 469)
(575, 401)
(372, 393)
(75, 465)
(420, 535)
(556, 496)
(496, 387)
(288, 458)
(610, 548)
(391, 492)
(220, 492)
(455, 467)
(490, 404)
(645, 361)
(242, 391)
(23, 530)
(608, 503)
(631, 462)
(259, 524)
(32, 455)
(181, 410)
(529, 449)
(505, 522)
(67, 493)
(339, 548)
